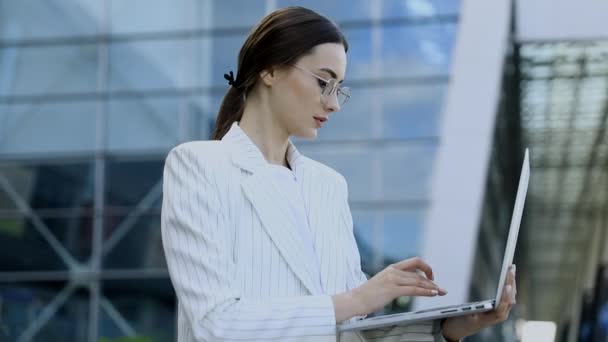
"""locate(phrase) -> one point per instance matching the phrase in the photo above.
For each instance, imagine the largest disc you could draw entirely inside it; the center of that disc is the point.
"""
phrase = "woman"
(259, 238)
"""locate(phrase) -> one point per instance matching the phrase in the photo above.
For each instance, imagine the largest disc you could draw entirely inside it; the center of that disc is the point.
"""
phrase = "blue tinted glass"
(359, 55)
(129, 182)
(26, 19)
(402, 235)
(363, 225)
(222, 52)
(23, 301)
(48, 186)
(416, 50)
(402, 176)
(406, 171)
(339, 10)
(419, 8)
(151, 298)
(151, 64)
(48, 69)
(157, 15)
(144, 123)
(393, 112)
(52, 127)
(411, 111)
(235, 13)
(139, 247)
(18, 234)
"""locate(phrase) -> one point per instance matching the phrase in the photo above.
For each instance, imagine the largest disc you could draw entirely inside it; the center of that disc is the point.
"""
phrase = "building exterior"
(446, 94)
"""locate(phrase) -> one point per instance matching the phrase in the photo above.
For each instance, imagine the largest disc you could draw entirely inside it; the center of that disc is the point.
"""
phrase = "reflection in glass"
(147, 307)
(129, 182)
(140, 246)
(48, 69)
(22, 303)
(47, 127)
(29, 19)
(48, 186)
(143, 123)
(159, 64)
(18, 233)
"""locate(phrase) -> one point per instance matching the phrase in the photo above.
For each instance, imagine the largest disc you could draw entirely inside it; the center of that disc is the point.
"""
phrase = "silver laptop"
(460, 309)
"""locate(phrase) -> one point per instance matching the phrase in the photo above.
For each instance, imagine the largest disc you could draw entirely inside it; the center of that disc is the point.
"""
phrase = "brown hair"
(281, 38)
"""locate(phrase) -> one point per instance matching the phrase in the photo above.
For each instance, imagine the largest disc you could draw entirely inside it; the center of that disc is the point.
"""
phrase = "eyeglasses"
(330, 87)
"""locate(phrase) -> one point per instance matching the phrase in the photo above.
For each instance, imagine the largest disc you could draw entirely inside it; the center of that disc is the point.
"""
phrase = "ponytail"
(231, 110)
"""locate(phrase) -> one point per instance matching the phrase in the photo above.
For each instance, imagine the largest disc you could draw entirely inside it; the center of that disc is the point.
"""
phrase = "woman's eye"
(322, 84)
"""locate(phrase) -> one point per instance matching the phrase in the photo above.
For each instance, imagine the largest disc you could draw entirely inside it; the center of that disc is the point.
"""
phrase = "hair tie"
(231, 80)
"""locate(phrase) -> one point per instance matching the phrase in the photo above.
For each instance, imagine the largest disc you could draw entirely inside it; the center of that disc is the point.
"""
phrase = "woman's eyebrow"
(331, 72)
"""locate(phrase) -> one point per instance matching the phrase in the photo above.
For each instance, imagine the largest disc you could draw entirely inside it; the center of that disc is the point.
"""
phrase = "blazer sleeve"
(202, 270)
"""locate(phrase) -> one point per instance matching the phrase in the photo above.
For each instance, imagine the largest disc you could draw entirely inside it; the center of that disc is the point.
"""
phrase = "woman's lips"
(319, 121)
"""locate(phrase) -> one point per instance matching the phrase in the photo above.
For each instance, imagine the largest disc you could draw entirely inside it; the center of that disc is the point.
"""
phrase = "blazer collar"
(247, 155)
(269, 202)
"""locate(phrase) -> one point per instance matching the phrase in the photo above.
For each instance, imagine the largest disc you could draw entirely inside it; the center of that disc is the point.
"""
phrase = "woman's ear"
(267, 77)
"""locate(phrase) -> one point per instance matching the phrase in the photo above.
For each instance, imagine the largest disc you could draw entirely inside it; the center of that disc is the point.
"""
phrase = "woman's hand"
(455, 328)
(400, 279)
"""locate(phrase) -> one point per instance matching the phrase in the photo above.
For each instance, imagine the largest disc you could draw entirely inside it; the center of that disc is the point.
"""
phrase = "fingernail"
(508, 288)
(514, 268)
(434, 292)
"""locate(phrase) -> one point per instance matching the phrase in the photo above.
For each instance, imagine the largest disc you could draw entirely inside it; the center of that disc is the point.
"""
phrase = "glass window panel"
(405, 112)
(416, 50)
(18, 234)
(129, 182)
(234, 13)
(140, 248)
(158, 15)
(143, 123)
(23, 302)
(150, 64)
(48, 69)
(363, 226)
(399, 236)
(56, 185)
(412, 111)
(359, 55)
(404, 170)
(47, 127)
(218, 56)
(337, 11)
(419, 8)
(203, 111)
(147, 306)
(402, 235)
(28, 19)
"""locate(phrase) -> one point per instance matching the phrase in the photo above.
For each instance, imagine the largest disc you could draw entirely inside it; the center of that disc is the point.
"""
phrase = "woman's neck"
(265, 131)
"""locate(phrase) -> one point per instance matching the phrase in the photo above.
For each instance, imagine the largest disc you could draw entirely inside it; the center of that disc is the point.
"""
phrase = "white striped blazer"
(233, 252)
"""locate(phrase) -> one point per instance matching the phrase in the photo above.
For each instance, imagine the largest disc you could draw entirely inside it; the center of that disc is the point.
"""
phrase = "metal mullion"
(27, 211)
(46, 314)
(99, 174)
(129, 222)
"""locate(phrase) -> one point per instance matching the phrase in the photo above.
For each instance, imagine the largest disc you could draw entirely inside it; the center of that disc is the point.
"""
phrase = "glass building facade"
(94, 93)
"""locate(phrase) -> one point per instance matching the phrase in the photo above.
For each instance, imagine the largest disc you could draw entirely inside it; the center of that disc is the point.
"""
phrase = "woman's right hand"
(396, 280)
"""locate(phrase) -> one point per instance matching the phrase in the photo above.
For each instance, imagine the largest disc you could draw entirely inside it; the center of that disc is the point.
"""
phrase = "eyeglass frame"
(335, 89)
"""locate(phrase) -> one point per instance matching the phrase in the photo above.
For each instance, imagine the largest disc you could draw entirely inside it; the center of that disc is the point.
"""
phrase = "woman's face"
(296, 94)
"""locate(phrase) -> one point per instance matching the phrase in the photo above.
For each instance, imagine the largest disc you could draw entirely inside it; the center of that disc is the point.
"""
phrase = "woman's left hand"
(455, 328)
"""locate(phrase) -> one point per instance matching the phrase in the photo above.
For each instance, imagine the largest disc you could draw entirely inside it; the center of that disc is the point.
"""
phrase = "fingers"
(414, 284)
(413, 264)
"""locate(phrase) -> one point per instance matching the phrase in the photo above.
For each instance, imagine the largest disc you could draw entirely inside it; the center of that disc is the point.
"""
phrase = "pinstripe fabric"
(234, 255)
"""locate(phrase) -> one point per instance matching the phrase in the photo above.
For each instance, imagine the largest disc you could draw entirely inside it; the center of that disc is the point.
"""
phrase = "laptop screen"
(518, 210)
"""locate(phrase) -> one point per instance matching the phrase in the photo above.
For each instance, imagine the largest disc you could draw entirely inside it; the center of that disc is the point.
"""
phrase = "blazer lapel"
(269, 203)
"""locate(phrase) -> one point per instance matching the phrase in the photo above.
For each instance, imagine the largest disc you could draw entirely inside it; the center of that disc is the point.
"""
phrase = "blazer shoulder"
(328, 173)
(206, 151)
